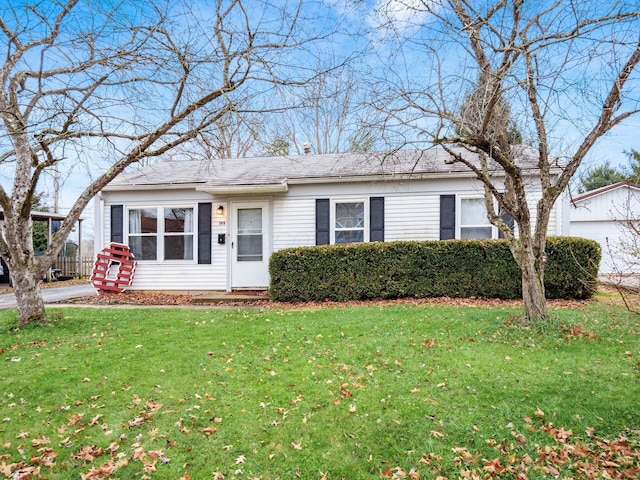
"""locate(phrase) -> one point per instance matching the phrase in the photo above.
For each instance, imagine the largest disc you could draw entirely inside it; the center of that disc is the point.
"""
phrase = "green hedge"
(454, 268)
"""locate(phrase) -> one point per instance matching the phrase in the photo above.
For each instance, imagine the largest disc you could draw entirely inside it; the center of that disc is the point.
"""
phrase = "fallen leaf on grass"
(88, 453)
(94, 420)
(46, 459)
(39, 442)
(99, 473)
(394, 473)
(344, 392)
(494, 467)
(135, 422)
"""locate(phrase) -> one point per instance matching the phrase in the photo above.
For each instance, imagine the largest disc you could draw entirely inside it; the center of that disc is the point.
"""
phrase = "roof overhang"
(378, 177)
(41, 216)
(283, 185)
(118, 187)
(605, 189)
(245, 189)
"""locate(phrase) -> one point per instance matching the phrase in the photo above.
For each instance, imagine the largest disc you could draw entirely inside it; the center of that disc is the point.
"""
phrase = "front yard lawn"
(400, 391)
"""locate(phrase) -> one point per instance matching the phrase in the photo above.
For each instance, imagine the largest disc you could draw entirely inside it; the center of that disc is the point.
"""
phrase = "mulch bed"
(151, 298)
(174, 299)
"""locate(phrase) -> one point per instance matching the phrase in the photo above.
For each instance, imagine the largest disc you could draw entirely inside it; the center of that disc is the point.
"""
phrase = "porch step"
(231, 297)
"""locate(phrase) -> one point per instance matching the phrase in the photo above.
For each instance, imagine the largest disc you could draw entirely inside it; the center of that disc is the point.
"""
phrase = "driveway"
(51, 295)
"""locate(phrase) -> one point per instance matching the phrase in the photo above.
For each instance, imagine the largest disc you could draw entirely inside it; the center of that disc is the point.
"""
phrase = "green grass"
(354, 392)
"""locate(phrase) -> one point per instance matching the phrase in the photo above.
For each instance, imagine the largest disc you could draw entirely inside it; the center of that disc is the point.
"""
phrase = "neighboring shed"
(212, 225)
(601, 215)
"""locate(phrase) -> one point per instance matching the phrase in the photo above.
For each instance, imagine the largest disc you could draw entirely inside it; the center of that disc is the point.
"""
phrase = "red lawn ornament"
(114, 269)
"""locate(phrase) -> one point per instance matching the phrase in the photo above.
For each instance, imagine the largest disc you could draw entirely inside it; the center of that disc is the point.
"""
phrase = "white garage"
(603, 215)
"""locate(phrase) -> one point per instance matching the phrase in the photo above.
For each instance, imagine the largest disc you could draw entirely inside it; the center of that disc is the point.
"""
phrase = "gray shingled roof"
(217, 175)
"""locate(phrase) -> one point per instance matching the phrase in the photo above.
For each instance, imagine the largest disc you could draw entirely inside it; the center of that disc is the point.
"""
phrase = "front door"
(250, 245)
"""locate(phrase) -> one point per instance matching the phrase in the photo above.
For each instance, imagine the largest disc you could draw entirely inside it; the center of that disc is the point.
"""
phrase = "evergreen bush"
(453, 268)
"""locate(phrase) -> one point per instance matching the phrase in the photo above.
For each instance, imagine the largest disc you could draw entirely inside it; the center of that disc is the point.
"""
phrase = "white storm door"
(250, 245)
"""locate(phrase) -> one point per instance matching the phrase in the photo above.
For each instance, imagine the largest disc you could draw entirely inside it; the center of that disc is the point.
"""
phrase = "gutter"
(150, 186)
(282, 187)
(394, 177)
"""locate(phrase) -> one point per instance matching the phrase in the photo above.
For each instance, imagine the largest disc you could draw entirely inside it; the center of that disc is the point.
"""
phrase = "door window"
(249, 235)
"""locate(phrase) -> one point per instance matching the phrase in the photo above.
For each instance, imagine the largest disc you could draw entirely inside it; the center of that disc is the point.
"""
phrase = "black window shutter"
(376, 219)
(117, 223)
(323, 228)
(447, 217)
(204, 233)
(509, 220)
(506, 218)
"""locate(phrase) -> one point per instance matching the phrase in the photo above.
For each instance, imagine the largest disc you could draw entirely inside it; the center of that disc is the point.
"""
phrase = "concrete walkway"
(628, 281)
(51, 295)
(229, 297)
(59, 295)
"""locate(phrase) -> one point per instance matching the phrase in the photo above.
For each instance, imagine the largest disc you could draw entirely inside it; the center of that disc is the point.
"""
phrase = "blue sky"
(360, 29)
(575, 95)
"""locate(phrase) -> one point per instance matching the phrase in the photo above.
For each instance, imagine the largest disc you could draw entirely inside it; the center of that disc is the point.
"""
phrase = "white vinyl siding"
(600, 218)
(293, 222)
(409, 217)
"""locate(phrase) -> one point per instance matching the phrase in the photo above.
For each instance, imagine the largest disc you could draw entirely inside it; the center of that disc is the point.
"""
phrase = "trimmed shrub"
(453, 268)
(572, 268)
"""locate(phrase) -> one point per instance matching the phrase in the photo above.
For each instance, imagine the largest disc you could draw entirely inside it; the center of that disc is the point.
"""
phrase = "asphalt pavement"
(51, 295)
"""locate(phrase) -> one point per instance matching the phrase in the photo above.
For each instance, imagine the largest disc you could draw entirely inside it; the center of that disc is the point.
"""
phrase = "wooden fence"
(73, 267)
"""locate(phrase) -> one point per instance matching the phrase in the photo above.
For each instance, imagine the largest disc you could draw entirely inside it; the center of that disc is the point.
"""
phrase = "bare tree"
(331, 113)
(118, 85)
(567, 71)
(236, 135)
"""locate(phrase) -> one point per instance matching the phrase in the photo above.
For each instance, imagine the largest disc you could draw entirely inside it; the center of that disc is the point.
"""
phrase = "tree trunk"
(28, 296)
(533, 292)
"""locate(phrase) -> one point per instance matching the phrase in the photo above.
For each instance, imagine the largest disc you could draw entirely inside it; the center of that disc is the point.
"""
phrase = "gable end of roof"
(605, 189)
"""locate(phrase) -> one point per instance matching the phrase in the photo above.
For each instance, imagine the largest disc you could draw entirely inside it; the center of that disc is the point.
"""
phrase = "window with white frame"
(161, 233)
(349, 222)
(473, 219)
(178, 233)
(143, 233)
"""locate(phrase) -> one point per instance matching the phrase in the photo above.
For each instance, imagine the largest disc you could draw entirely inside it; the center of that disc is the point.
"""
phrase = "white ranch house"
(198, 225)
(600, 215)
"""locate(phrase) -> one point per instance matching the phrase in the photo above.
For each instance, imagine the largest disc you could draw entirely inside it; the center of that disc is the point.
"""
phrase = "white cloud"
(402, 15)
